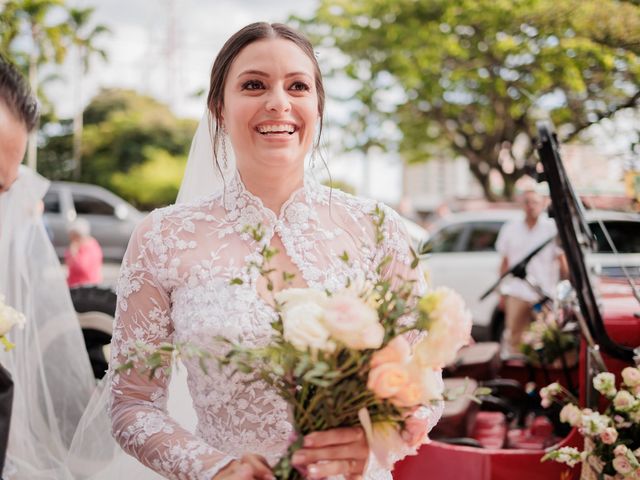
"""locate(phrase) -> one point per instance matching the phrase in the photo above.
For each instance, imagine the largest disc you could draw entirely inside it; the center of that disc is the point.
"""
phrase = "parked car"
(461, 254)
(112, 219)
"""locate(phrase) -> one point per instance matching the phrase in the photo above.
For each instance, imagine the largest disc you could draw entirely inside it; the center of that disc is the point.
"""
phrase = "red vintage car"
(506, 436)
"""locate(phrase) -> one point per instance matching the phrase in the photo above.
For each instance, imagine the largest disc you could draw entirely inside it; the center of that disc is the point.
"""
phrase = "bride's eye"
(252, 85)
(299, 87)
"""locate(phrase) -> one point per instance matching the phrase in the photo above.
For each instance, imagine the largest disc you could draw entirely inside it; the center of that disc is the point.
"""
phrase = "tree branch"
(632, 102)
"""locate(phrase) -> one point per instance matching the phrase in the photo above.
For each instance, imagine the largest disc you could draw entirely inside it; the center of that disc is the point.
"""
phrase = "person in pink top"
(84, 255)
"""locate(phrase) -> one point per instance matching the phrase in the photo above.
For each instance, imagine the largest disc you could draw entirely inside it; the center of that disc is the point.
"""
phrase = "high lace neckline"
(235, 190)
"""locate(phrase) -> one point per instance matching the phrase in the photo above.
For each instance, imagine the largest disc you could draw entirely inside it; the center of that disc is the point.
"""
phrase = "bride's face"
(270, 104)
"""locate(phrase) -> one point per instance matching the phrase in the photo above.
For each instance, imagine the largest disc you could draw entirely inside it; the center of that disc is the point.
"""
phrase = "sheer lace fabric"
(175, 286)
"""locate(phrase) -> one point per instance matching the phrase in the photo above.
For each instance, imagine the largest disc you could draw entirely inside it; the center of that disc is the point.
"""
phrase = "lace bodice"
(175, 286)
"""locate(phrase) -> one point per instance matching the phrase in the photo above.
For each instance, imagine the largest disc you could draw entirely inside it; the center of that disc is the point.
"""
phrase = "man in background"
(52, 377)
(515, 241)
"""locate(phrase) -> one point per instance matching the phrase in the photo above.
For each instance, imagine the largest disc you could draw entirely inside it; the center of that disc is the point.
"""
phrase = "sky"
(139, 58)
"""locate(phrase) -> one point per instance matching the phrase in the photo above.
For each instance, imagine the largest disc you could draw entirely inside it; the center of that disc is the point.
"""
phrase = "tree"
(46, 42)
(473, 76)
(84, 40)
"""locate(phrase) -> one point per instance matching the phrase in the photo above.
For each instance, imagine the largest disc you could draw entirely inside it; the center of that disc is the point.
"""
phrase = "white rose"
(594, 423)
(631, 376)
(352, 322)
(450, 327)
(292, 297)
(9, 317)
(303, 327)
(570, 414)
(605, 383)
(624, 401)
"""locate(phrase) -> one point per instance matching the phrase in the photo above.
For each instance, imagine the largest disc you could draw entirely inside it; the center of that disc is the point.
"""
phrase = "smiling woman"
(186, 276)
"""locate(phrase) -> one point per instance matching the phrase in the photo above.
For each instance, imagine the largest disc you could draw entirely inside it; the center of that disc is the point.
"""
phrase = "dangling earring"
(312, 160)
(225, 154)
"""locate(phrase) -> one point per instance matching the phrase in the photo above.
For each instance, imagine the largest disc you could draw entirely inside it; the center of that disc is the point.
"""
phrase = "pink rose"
(609, 436)
(620, 450)
(387, 380)
(397, 350)
(631, 376)
(623, 400)
(415, 431)
(622, 465)
(352, 322)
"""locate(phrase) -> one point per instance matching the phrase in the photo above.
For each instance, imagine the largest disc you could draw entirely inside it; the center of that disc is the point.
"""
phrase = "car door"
(58, 212)
(464, 258)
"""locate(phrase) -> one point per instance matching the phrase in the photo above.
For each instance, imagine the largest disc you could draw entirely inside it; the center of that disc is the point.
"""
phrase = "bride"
(265, 108)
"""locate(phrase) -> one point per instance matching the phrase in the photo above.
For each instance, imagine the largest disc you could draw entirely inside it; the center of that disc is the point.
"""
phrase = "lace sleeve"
(397, 245)
(140, 423)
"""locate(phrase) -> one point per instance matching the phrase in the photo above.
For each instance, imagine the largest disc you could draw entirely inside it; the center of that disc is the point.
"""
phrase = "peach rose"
(408, 396)
(397, 350)
(388, 379)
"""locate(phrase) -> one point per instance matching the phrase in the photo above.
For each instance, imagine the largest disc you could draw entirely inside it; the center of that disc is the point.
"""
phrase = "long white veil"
(94, 453)
(202, 176)
(50, 367)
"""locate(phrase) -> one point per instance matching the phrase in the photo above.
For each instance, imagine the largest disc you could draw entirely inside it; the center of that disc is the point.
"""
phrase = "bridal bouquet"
(9, 318)
(612, 439)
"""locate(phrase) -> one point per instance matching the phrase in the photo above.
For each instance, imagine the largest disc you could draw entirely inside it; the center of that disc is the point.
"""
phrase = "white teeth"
(276, 128)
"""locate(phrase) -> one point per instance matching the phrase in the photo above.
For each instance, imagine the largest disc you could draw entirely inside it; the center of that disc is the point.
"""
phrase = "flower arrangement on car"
(551, 339)
(9, 318)
(367, 355)
(612, 439)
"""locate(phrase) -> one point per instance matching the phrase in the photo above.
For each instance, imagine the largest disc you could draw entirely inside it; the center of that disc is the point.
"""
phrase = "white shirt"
(515, 241)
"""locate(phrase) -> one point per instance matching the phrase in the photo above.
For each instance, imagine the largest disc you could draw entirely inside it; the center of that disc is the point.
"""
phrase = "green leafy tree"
(119, 124)
(471, 77)
(45, 41)
(153, 183)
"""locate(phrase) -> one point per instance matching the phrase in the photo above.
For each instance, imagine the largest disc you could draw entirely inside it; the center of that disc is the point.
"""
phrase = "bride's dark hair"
(220, 70)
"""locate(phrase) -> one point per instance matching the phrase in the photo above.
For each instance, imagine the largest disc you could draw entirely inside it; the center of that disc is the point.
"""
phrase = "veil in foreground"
(49, 365)
(94, 454)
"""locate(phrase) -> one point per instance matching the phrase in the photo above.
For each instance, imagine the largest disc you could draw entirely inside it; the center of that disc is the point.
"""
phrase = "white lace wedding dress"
(175, 286)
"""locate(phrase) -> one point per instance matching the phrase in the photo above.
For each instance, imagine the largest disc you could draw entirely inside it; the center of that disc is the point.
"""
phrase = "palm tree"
(47, 43)
(84, 41)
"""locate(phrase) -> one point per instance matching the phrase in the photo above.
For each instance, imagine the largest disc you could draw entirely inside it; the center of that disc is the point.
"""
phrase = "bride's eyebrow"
(264, 74)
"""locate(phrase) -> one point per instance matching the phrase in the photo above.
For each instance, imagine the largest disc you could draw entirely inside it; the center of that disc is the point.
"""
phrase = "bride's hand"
(249, 467)
(339, 451)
